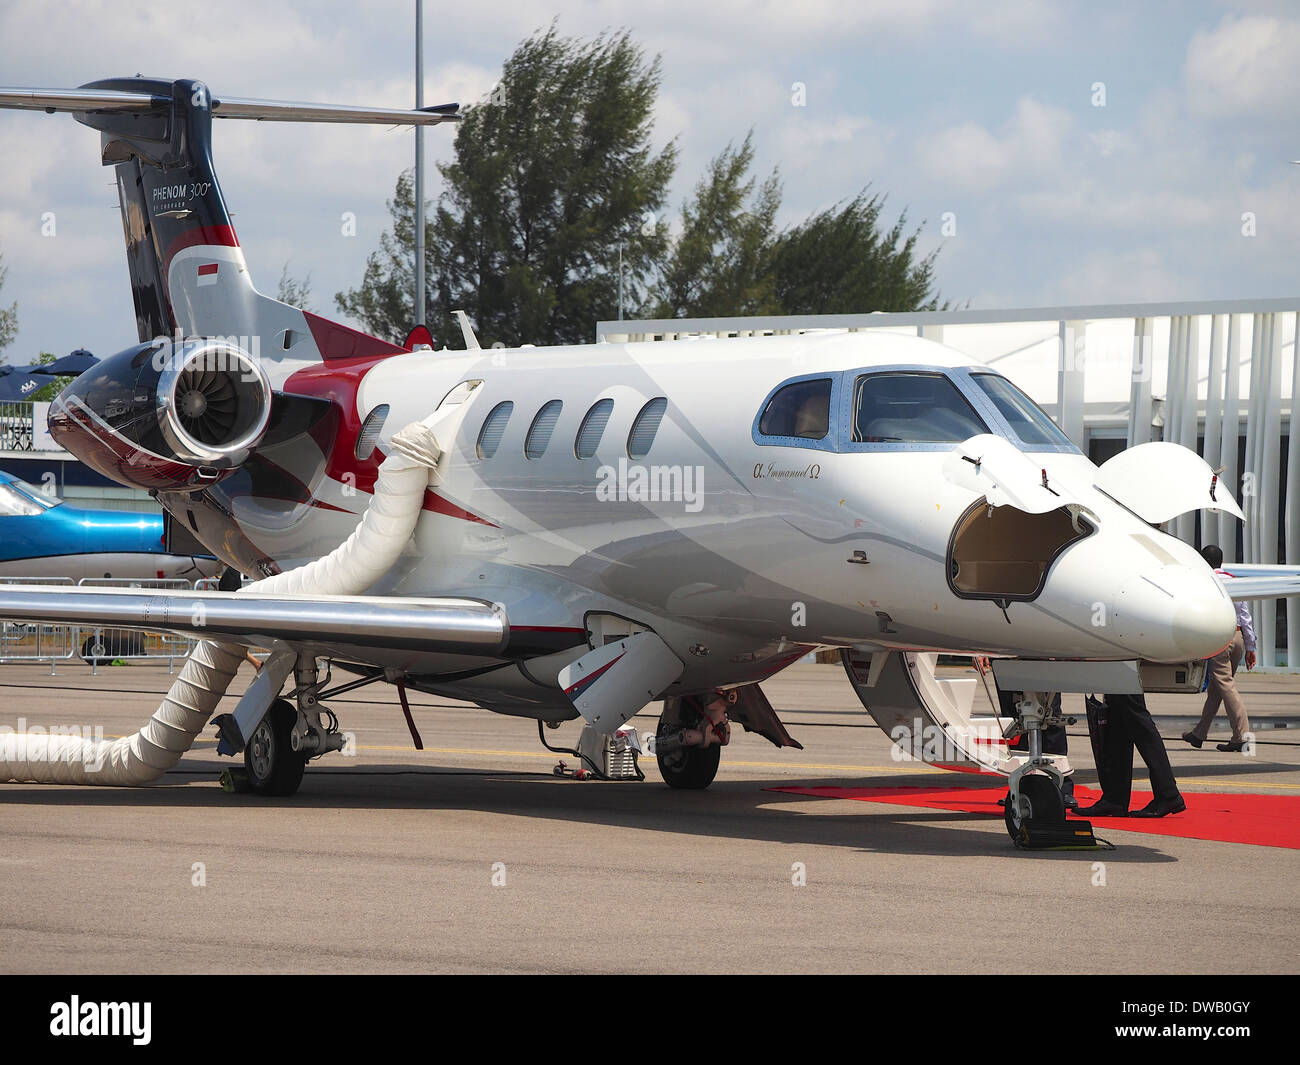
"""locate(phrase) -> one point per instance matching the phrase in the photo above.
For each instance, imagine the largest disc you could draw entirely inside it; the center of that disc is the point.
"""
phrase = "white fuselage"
(754, 553)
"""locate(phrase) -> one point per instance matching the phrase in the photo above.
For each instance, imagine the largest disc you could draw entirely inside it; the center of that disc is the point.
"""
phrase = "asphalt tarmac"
(472, 856)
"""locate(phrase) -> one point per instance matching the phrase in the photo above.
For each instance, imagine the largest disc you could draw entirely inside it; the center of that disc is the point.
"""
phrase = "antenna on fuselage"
(467, 331)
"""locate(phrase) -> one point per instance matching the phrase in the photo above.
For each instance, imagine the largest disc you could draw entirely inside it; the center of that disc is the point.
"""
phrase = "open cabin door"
(1003, 546)
(931, 719)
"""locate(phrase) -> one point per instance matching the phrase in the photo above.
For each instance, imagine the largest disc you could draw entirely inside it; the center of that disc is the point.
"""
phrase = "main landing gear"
(287, 738)
(689, 740)
(273, 766)
(1035, 802)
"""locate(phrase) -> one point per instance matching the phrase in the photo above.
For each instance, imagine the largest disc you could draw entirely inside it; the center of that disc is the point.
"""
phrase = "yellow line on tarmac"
(819, 765)
(410, 749)
(1237, 783)
(490, 753)
(730, 762)
(456, 750)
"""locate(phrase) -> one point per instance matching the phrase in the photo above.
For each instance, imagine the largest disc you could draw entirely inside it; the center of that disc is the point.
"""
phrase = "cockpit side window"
(913, 408)
(801, 410)
(1026, 418)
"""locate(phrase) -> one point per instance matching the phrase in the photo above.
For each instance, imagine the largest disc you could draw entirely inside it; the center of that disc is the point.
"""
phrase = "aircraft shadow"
(730, 809)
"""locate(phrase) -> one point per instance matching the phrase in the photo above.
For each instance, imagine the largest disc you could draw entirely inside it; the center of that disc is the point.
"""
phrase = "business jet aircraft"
(578, 531)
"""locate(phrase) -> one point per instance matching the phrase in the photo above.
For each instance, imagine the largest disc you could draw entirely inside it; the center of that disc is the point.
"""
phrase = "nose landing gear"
(1035, 802)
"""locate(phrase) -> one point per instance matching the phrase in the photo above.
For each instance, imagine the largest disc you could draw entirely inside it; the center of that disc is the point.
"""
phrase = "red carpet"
(1264, 820)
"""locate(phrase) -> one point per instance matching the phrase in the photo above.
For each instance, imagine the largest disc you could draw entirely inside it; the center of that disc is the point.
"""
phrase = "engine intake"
(166, 417)
(214, 403)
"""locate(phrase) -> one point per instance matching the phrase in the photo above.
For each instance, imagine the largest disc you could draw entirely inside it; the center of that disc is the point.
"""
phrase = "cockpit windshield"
(1026, 418)
(20, 499)
(912, 407)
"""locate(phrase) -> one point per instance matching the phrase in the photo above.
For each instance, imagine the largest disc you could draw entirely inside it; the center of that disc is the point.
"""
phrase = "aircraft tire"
(691, 768)
(274, 767)
(112, 643)
(1046, 806)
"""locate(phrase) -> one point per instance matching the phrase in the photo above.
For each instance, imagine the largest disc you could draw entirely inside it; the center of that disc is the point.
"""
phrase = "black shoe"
(1232, 745)
(1193, 739)
(1161, 808)
(1102, 809)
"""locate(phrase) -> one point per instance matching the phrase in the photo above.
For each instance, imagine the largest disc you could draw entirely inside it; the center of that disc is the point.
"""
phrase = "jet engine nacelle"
(164, 416)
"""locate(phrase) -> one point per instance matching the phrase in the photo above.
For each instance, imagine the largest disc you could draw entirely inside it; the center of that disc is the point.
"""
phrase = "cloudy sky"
(1082, 152)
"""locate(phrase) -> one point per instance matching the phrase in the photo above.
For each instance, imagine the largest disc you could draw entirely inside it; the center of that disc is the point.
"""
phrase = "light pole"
(419, 165)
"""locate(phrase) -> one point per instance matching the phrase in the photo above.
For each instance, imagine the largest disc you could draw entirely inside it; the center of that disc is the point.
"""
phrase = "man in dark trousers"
(1126, 723)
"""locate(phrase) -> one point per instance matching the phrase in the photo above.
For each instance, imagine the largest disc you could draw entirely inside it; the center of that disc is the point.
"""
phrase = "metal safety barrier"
(102, 644)
(26, 642)
(29, 643)
(17, 426)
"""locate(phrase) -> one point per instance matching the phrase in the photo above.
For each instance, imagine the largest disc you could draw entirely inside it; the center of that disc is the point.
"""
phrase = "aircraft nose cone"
(1203, 626)
(1174, 613)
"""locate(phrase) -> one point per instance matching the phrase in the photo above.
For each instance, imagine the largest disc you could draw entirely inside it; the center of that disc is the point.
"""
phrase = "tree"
(8, 316)
(720, 264)
(729, 259)
(294, 292)
(551, 176)
(838, 262)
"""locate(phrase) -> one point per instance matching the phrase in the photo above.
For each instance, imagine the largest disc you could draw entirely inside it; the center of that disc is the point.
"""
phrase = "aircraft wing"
(451, 626)
(1272, 586)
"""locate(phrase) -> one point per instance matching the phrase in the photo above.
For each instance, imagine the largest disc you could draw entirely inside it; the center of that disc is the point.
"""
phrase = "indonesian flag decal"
(208, 274)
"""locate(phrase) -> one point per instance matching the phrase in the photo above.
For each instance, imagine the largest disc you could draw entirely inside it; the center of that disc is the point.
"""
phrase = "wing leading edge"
(452, 626)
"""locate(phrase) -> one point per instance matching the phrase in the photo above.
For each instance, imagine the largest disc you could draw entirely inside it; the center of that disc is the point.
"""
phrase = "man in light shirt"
(1222, 687)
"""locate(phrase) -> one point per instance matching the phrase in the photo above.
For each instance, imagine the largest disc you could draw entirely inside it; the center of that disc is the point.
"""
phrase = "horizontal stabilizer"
(282, 111)
(122, 101)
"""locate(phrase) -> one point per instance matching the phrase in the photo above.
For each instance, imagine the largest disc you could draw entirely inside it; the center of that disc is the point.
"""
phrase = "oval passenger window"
(642, 436)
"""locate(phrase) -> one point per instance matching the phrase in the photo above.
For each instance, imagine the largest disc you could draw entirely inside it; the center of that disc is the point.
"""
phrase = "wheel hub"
(262, 751)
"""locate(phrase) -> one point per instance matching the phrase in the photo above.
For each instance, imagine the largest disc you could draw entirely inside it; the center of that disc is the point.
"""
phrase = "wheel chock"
(235, 780)
(1068, 835)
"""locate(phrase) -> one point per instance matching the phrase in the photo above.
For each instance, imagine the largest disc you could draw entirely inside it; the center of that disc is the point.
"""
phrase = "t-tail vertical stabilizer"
(188, 274)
